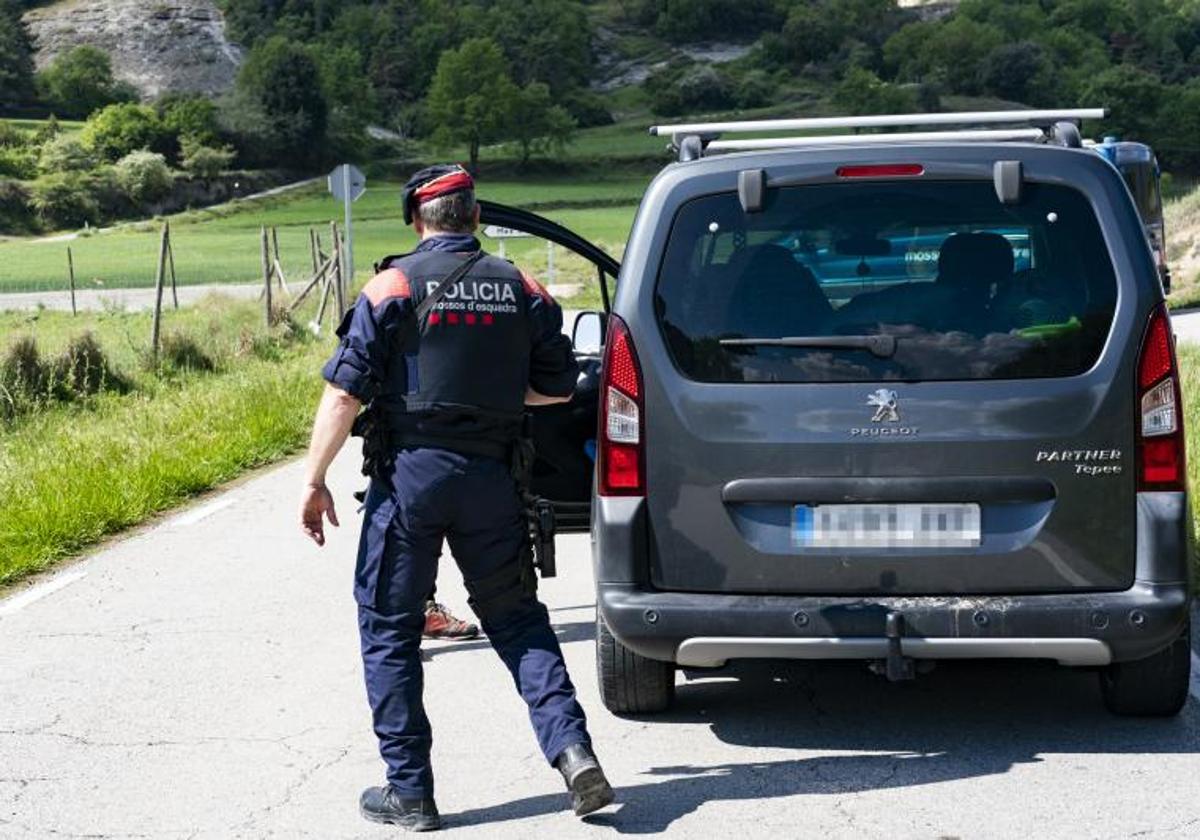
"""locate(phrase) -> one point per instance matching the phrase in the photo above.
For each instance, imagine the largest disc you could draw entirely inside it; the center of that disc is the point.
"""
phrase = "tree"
(191, 118)
(116, 130)
(282, 79)
(1020, 72)
(1132, 97)
(472, 96)
(544, 40)
(16, 57)
(80, 81)
(538, 125)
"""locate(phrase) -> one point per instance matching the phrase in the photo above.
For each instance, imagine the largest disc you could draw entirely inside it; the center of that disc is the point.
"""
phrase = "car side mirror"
(587, 336)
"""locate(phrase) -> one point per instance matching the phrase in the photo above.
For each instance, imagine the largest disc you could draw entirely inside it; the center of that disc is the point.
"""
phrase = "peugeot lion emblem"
(886, 410)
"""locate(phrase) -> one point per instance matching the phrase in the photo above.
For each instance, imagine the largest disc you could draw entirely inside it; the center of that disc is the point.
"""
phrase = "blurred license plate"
(887, 526)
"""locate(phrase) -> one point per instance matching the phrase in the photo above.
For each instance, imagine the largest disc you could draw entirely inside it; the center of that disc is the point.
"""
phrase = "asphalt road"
(200, 679)
(132, 300)
(1187, 325)
(142, 299)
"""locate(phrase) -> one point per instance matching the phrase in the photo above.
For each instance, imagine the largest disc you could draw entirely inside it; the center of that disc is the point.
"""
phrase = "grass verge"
(1189, 366)
(72, 476)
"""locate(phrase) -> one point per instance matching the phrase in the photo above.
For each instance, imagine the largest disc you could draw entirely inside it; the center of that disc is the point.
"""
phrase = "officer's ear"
(475, 218)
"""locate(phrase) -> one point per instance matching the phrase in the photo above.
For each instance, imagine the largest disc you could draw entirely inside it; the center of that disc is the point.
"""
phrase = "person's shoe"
(440, 624)
(590, 790)
(384, 805)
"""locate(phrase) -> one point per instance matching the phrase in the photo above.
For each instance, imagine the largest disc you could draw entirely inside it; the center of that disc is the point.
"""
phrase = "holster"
(369, 426)
(539, 513)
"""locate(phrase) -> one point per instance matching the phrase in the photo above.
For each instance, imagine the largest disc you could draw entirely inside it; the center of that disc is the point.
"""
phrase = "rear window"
(958, 285)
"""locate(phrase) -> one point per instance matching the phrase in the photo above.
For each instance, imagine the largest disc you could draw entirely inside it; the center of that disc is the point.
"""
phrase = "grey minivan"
(893, 399)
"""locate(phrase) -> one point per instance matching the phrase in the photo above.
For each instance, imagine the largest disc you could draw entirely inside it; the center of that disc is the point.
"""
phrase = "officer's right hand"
(315, 505)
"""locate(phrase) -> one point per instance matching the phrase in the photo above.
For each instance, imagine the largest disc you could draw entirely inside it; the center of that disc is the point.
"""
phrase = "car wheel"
(631, 683)
(1156, 686)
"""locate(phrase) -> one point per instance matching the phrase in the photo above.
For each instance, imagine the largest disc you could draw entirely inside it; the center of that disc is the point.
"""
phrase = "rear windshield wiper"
(883, 346)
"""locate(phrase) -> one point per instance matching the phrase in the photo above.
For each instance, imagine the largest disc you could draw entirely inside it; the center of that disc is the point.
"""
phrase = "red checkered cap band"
(444, 185)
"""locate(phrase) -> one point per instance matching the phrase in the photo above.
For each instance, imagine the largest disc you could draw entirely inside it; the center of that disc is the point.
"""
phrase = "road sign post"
(503, 233)
(347, 183)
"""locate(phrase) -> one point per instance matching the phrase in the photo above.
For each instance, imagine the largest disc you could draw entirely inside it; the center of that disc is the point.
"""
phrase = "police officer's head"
(441, 199)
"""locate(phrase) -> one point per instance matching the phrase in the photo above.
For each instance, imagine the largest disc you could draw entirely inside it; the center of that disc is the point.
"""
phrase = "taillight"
(1162, 462)
(621, 459)
(881, 170)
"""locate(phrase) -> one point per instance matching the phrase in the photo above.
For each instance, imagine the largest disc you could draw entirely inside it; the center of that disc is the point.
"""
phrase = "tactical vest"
(468, 366)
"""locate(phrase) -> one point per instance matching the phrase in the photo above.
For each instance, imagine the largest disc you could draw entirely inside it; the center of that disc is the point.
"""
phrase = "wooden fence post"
(339, 292)
(324, 299)
(266, 269)
(312, 247)
(71, 278)
(158, 293)
(171, 262)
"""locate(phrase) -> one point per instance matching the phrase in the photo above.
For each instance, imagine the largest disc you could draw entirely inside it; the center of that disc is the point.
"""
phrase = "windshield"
(969, 288)
(1142, 181)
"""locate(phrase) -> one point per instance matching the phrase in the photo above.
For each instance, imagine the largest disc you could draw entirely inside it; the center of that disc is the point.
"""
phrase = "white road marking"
(37, 593)
(1195, 676)
(202, 512)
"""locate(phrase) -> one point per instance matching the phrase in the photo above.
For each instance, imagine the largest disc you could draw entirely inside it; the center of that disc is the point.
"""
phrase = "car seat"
(773, 295)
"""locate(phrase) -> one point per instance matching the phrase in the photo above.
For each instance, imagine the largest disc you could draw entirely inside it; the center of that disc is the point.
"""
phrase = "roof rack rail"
(1043, 118)
(692, 140)
(980, 135)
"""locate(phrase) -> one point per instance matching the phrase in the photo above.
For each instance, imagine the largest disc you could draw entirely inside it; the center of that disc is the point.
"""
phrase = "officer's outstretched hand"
(315, 505)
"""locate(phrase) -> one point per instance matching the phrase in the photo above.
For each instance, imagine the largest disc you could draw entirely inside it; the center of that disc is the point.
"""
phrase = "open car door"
(565, 435)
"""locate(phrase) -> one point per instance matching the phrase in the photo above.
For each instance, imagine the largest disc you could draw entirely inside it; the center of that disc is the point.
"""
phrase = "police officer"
(452, 394)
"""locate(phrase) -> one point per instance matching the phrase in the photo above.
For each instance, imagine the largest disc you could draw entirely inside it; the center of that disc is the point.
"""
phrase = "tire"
(631, 683)
(1156, 686)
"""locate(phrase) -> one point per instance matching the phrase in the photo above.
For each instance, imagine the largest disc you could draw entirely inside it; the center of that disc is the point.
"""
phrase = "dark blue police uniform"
(453, 398)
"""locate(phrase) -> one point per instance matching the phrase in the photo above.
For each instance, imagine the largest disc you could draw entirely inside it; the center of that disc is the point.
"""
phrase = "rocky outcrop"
(158, 46)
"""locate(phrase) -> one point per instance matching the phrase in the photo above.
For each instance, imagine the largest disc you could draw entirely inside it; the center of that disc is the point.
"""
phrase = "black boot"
(384, 805)
(585, 780)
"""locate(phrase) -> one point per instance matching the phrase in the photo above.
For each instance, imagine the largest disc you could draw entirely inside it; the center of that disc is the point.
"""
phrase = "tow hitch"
(897, 666)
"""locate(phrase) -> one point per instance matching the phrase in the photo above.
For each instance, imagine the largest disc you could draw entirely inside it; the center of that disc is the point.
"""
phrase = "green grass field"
(68, 127)
(221, 245)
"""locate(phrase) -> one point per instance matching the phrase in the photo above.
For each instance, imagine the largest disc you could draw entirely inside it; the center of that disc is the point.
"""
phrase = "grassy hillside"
(221, 245)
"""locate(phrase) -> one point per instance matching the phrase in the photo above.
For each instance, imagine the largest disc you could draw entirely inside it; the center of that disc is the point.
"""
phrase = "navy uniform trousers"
(472, 501)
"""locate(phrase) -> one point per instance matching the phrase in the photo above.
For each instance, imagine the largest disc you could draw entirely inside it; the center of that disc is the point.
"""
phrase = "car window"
(969, 288)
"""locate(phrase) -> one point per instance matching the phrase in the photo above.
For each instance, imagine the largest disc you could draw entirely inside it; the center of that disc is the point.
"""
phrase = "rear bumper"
(706, 630)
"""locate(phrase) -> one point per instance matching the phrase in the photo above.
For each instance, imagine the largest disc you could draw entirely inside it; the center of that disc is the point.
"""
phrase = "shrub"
(82, 370)
(677, 90)
(181, 353)
(754, 90)
(18, 162)
(117, 130)
(11, 136)
(861, 92)
(108, 193)
(144, 176)
(47, 131)
(22, 371)
(587, 108)
(64, 200)
(64, 154)
(15, 213)
(206, 161)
